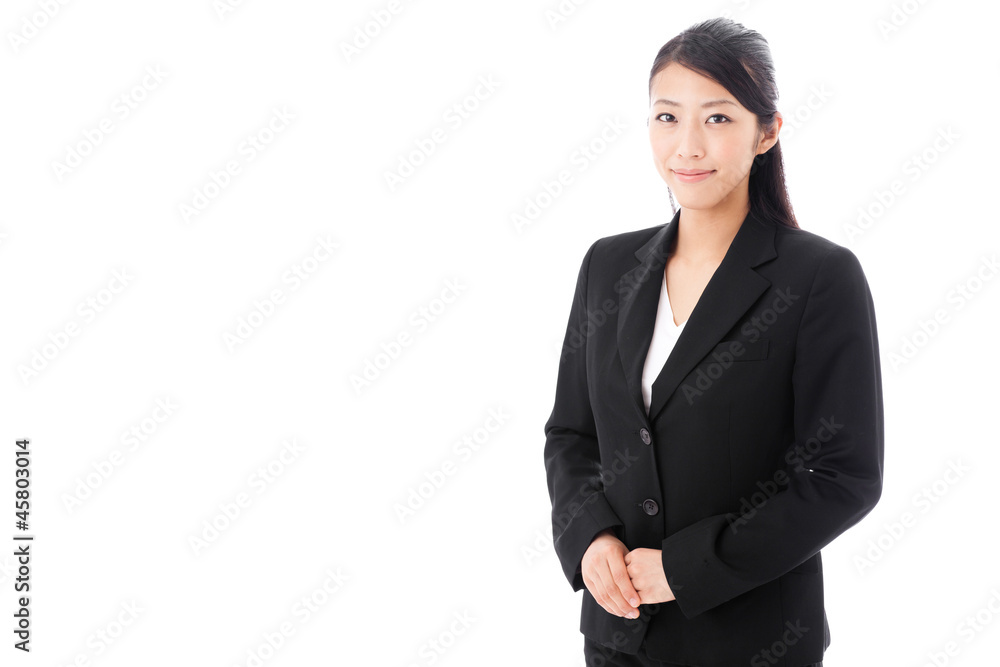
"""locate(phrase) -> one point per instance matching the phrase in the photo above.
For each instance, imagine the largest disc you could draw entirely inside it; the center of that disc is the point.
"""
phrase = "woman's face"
(697, 125)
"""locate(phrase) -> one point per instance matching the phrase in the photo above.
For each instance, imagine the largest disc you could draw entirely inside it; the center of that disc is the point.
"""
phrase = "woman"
(718, 409)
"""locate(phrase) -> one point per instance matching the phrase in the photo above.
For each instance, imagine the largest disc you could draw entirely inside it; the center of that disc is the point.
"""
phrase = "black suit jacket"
(764, 439)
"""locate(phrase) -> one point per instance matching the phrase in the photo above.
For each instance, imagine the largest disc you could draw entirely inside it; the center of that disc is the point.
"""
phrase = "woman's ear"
(769, 139)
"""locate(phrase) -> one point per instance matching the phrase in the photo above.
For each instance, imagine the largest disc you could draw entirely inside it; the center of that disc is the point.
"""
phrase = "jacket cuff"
(697, 583)
(594, 516)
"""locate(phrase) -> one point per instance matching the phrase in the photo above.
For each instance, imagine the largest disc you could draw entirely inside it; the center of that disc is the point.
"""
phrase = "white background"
(860, 104)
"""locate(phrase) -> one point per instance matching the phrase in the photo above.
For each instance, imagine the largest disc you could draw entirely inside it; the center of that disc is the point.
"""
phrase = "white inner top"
(665, 334)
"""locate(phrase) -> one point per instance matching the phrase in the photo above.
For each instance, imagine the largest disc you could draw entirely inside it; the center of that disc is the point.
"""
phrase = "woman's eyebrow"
(709, 103)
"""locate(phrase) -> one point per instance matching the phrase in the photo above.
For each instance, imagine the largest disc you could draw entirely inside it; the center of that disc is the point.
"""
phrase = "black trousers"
(604, 656)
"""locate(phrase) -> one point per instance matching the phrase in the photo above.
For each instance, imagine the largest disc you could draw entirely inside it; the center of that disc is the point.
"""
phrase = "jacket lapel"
(733, 288)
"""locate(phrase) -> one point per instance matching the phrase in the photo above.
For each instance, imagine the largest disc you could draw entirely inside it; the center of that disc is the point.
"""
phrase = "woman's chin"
(692, 203)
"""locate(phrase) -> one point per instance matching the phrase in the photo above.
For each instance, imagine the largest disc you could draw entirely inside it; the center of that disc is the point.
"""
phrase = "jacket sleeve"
(580, 509)
(834, 476)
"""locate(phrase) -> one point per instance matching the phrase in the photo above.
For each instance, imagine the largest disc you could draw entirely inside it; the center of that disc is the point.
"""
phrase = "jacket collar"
(733, 288)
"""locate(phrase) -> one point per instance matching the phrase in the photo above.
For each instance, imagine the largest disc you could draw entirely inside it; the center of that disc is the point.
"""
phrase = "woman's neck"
(704, 236)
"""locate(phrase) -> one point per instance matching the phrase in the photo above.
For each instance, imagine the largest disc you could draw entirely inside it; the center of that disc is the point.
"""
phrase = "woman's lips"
(693, 178)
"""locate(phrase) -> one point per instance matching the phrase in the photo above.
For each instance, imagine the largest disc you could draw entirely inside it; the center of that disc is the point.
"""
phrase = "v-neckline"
(666, 296)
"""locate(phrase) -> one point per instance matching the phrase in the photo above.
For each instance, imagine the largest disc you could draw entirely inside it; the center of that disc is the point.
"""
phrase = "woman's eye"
(669, 118)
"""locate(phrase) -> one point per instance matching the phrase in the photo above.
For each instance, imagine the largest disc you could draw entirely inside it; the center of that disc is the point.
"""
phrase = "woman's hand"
(645, 570)
(604, 573)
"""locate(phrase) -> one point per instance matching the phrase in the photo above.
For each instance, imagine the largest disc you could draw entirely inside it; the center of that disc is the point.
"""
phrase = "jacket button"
(650, 507)
(644, 434)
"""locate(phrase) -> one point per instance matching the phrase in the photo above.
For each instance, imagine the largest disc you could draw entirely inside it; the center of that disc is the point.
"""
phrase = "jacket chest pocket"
(738, 350)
